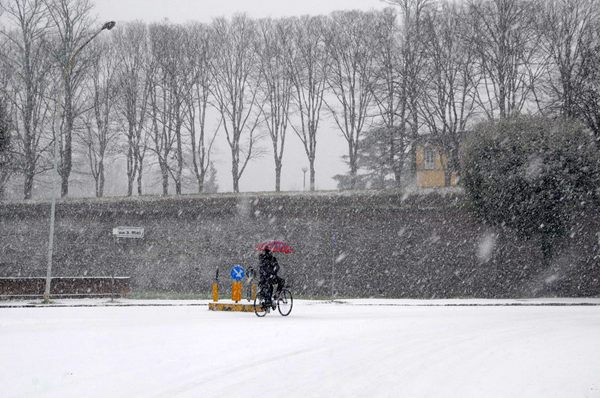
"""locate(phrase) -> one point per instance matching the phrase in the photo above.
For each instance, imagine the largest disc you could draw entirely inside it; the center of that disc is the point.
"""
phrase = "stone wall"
(369, 244)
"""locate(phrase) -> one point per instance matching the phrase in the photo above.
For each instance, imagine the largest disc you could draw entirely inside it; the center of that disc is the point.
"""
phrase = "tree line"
(161, 93)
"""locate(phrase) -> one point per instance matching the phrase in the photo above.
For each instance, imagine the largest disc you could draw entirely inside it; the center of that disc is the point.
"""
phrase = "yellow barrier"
(236, 293)
(236, 297)
(231, 307)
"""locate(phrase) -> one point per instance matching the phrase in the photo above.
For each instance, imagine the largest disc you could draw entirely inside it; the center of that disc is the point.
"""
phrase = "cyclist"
(269, 267)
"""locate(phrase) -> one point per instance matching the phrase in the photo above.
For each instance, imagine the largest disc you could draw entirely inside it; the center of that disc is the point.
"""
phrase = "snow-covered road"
(320, 350)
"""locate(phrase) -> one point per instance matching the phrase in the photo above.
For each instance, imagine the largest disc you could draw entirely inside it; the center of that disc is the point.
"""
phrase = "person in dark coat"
(269, 267)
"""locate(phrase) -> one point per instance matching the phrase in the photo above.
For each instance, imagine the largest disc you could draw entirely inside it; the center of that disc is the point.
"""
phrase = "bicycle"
(284, 303)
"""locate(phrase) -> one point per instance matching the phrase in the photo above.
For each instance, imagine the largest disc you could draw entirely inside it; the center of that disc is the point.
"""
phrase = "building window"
(429, 159)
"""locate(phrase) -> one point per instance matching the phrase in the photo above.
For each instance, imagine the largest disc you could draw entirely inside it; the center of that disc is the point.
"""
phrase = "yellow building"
(430, 170)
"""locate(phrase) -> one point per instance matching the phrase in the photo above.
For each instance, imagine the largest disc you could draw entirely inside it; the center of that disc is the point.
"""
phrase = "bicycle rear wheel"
(285, 302)
(259, 308)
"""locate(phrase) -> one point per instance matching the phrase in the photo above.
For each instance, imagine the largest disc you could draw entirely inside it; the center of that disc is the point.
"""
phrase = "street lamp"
(57, 116)
(304, 170)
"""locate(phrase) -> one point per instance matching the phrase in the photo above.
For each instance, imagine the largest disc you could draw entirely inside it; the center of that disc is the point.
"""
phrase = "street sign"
(237, 273)
(129, 232)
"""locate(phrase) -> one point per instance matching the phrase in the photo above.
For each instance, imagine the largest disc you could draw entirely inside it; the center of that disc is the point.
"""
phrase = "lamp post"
(57, 116)
(304, 170)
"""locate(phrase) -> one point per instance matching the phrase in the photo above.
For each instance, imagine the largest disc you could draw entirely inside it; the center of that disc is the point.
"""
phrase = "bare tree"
(131, 42)
(235, 69)
(589, 96)
(276, 90)
(180, 79)
(508, 53)
(351, 46)
(199, 53)
(171, 81)
(70, 20)
(412, 62)
(6, 134)
(390, 95)
(27, 59)
(161, 105)
(567, 30)
(6, 150)
(309, 62)
(100, 132)
(449, 94)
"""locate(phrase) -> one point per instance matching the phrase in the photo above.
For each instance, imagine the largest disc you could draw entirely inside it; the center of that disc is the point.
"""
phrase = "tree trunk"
(100, 190)
(139, 179)
(28, 183)
(29, 168)
(235, 172)
(353, 165)
(179, 156)
(447, 177)
(164, 170)
(201, 182)
(67, 150)
(311, 166)
(277, 175)
(131, 163)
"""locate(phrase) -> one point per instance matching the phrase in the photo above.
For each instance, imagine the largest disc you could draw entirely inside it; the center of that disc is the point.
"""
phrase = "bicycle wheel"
(285, 302)
(259, 308)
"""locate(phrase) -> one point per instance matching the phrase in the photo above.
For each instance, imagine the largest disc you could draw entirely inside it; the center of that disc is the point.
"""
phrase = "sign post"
(237, 274)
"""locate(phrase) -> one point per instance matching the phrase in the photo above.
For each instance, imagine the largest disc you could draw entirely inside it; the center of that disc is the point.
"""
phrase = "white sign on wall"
(128, 232)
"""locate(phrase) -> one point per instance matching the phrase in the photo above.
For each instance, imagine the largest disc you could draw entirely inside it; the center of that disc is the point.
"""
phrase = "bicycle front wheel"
(285, 302)
(259, 308)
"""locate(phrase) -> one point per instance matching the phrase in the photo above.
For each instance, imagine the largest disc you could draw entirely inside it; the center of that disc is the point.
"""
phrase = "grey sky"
(205, 10)
(259, 175)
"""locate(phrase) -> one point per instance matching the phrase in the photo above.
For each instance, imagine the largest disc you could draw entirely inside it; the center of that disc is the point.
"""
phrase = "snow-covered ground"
(354, 348)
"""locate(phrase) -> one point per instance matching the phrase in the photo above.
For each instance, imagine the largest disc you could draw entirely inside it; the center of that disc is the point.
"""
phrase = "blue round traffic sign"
(237, 273)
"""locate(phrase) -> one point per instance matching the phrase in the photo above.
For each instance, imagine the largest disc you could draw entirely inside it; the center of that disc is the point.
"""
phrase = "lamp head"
(109, 25)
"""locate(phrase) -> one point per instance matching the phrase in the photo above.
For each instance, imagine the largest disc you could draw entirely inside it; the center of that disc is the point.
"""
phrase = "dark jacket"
(268, 265)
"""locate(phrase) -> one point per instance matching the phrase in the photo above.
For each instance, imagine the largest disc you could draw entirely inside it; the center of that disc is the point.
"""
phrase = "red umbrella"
(275, 246)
